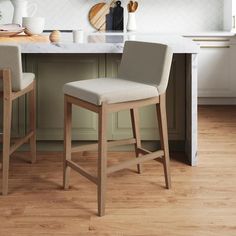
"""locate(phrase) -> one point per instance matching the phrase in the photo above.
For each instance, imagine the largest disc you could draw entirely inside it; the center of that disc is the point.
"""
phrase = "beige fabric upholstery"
(144, 73)
(109, 90)
(27, 79)
(147, 63)
(10, 57)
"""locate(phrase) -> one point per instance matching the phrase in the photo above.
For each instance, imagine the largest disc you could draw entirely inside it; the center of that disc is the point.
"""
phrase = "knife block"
(118, 17)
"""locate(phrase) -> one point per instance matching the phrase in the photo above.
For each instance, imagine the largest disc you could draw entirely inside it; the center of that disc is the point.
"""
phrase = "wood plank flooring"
(202, 200)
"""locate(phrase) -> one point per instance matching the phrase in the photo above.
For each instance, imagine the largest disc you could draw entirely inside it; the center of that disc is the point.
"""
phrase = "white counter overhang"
(109, 43)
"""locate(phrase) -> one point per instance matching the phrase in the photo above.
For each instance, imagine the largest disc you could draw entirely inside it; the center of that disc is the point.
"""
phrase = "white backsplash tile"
(152, 15)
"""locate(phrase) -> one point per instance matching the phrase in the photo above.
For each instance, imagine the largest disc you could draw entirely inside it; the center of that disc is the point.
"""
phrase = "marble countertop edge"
(108, 43)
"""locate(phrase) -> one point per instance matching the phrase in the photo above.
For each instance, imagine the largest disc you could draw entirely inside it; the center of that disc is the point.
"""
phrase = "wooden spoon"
(131, 6)
(135, 6)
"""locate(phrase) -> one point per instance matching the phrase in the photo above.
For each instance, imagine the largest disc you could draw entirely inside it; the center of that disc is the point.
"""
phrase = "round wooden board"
(97, 15)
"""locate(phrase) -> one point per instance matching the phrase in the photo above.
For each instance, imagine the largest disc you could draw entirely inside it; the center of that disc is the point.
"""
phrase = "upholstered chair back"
(147, 63)
(10, 58)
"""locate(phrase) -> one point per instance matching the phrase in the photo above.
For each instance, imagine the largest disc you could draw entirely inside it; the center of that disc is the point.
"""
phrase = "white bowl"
(33, 25)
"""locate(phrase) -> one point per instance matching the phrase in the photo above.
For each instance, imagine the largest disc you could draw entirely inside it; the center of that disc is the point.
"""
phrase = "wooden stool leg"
(162, 121)
(67, 142)
(7, 116)
(136, 133)
(32, 115)
(102, 160)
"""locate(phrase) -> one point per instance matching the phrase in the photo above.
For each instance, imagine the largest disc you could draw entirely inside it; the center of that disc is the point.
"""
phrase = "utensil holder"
(131, 24)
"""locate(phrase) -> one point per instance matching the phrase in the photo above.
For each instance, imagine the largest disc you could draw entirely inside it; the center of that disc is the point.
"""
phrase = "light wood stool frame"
(8, 98)
(142, 154)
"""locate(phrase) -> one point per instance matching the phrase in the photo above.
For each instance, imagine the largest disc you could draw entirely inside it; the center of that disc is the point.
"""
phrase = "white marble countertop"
(109, 43)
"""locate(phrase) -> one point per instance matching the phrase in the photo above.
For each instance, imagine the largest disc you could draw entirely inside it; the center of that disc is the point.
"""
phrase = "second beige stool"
(142, 81)
(14, 84)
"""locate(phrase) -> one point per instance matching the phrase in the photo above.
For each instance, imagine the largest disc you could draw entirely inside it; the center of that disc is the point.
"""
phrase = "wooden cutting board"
(97, 15)
(25, 38)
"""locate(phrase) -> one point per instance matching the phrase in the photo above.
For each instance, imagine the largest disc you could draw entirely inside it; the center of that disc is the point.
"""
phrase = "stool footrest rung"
(113, 143)
(143, 151)
(82, 171)
(138, 160)
(20, 142)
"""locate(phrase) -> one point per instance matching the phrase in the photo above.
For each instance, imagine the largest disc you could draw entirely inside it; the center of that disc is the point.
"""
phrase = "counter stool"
(14, 84)
(142, 80)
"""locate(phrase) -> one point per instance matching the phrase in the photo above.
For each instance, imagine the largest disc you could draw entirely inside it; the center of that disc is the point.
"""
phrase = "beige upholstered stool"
(142, 80)
(14, 84)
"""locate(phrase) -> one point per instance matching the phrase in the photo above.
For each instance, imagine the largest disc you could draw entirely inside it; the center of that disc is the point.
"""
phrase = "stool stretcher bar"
(82, 171)
(138, 160)
(21, 141)
(92, 147)
(114, 168)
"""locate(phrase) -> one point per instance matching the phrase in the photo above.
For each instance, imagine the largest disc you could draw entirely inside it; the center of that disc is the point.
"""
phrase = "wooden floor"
(201, 202)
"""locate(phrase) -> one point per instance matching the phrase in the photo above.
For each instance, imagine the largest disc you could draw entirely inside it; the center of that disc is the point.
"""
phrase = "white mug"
(78, 36)
(33, 25)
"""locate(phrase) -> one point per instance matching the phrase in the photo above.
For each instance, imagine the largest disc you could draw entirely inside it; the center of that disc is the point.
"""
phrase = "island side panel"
(191, 106)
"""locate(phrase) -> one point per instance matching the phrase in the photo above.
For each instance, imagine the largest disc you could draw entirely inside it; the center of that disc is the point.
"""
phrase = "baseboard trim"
(175, 146)
(217, 101)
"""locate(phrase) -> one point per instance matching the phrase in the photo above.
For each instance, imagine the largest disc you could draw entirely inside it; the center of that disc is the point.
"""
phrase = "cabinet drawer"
(216, 69)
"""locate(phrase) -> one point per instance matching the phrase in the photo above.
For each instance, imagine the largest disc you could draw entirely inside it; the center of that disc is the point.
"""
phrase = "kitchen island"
(99, 56)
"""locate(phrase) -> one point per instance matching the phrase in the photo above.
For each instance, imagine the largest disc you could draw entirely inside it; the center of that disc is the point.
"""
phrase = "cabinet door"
(216, 70)
(52, 72)
(121, 125)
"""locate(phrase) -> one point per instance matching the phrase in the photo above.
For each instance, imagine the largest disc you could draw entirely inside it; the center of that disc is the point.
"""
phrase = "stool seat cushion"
(109, 90)
(27, 79)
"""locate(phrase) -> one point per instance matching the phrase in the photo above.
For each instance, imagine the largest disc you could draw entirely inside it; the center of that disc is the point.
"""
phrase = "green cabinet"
(54, 70)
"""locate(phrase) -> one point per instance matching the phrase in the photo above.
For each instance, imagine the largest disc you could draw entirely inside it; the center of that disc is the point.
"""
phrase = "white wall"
(153, 15)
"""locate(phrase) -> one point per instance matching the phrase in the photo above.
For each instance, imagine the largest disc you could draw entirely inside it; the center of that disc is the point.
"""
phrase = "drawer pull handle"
(211, 40)
(214, 46)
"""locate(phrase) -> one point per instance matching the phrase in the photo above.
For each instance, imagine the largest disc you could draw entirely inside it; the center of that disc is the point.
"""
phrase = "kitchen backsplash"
(152, 15)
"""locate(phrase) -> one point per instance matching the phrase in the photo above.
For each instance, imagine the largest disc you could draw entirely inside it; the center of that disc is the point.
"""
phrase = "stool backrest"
(10, 58)
(148, 63)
